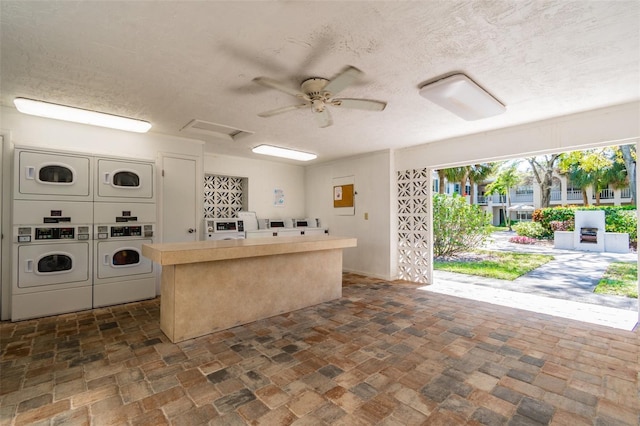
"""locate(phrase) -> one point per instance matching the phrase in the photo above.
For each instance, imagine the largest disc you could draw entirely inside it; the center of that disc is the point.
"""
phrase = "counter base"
(201, 298)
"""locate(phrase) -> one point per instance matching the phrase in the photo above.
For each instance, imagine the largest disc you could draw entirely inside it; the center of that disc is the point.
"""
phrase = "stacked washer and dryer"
(79, 223)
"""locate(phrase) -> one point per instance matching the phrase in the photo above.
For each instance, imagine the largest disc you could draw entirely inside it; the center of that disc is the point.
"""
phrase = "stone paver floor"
(383, 354)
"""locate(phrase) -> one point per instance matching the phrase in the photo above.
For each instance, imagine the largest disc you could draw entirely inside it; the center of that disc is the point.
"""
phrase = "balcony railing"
(556, 195)
(526, 197)
(574, 194)
(482, 199)
(625, 193)
(605, 194)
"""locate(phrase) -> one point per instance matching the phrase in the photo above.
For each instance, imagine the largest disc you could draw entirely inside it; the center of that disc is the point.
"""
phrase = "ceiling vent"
(216, 130)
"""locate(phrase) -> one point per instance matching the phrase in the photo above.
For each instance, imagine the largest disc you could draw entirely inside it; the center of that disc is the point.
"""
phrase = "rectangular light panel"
(77, 115)
(283, 153)
(460, 95)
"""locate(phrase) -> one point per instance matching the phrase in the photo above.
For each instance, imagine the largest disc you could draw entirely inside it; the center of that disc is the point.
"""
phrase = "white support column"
(638, 217)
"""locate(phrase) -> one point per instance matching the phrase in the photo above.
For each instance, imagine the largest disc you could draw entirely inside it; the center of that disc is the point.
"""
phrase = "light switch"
(366, 216)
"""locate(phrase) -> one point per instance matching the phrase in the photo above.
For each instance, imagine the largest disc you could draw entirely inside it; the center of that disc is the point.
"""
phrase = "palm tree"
(457, 174)
(441, 177)
(508, 178)
(478, 173)
(593, 167)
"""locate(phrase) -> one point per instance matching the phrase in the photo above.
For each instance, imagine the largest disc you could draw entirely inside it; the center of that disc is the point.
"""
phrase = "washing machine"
(224, 229)
(120, 273)
(50, 175)
(51, 258)
(124, 180)
(309, 226)
(283, 228)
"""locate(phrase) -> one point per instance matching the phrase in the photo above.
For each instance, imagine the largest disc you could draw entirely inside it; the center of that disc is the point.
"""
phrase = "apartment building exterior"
(526, 198)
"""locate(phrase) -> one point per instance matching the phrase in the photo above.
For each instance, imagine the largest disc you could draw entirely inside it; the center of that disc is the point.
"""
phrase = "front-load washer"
(51, 175)
(120, 273)
(224, 229)
(124, 180)
(51, 270)
(51, 257)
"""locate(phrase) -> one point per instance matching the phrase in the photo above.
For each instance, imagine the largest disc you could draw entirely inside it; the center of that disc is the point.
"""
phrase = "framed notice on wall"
(343, 196)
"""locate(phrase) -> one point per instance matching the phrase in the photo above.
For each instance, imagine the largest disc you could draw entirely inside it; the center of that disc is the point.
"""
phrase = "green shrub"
(457, 225)
(529, 229)
(624, 221)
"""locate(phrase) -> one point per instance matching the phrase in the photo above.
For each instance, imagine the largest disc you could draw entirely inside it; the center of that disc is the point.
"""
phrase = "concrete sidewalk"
(562, 287)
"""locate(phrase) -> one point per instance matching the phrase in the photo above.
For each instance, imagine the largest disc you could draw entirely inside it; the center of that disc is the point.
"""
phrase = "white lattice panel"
(223, 196)
(414, 201)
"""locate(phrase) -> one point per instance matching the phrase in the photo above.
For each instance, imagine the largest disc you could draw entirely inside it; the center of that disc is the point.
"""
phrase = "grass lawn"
(620, 279)
(492, 264)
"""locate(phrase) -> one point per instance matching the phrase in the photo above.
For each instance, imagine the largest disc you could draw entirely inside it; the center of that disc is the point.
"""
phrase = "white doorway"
(180, 186)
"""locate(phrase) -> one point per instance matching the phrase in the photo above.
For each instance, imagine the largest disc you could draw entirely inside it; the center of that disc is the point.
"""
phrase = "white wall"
(25, 130)
(607, 126)
(264, 177)
(44, 133)
(374, 184)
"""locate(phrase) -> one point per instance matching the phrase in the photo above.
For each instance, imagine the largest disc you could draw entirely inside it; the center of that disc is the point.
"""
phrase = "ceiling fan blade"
(281, 110)
(366, 104)
(344, 79)
(323, 118)
(269, 82)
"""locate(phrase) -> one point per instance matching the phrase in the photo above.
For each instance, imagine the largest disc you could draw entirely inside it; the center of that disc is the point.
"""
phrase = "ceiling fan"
(318, 93)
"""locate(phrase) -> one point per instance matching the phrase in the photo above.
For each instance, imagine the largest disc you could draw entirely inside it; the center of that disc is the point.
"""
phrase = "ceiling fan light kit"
(78, 115)
(276, 151)
(463, 97)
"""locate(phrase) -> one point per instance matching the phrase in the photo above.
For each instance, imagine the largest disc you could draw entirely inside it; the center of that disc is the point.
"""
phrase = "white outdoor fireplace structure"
(589, 235)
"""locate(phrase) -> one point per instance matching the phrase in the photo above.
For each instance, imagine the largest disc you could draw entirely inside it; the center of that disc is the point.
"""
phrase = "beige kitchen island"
(209, 286)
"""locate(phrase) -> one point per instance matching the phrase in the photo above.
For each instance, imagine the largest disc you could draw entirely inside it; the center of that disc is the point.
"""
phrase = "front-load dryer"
(123, 180)
(51, 175)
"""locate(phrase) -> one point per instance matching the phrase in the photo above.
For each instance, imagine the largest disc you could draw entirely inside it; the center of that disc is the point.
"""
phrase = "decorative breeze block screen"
(414, 203)
(223, 196)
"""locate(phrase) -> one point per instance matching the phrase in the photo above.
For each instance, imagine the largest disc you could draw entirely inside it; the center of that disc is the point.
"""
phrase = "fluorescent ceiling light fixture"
(460, 95)
(283, 152)
(77, 115)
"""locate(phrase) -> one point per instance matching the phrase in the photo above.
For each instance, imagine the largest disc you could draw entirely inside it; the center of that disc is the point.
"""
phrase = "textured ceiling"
(172, 62)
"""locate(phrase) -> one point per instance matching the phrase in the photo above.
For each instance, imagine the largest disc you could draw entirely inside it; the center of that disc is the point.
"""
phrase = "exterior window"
(55, 174)
(54, 263)
(126, 257)
(128, 179)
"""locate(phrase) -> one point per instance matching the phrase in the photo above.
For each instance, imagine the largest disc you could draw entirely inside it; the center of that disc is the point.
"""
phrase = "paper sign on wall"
(278, 197)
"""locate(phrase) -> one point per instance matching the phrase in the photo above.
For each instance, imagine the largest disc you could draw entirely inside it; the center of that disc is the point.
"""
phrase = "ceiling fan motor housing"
(313, 87)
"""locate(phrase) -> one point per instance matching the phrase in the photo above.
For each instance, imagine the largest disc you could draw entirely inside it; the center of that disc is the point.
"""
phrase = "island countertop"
(208, 251)
(209, 286)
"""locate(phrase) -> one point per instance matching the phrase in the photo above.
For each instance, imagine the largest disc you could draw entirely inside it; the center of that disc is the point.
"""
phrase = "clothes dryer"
(124, 180)
(51, 175)
(121, 274)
